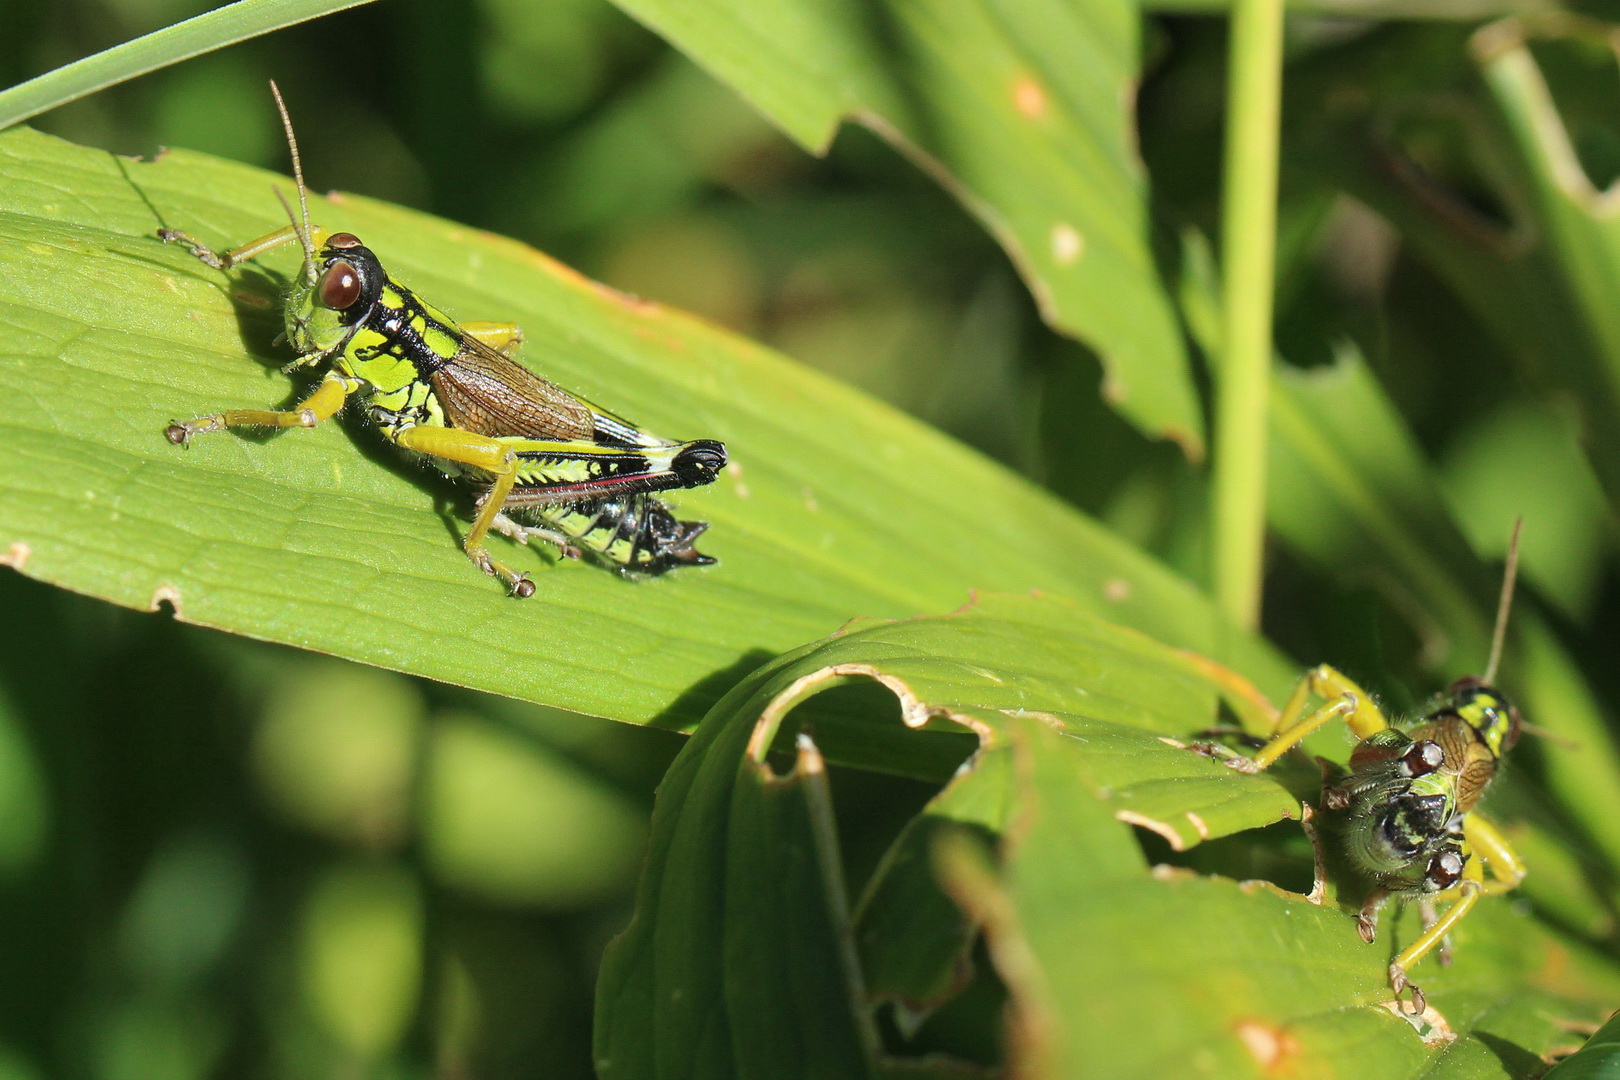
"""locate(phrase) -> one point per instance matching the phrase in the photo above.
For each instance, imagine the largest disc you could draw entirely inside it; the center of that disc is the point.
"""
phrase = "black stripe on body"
(598, 466)
(607, 487)
(393, 321)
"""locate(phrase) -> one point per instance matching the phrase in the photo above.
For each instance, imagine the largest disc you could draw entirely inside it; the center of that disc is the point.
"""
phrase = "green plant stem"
(1248, 243)
(193, 37)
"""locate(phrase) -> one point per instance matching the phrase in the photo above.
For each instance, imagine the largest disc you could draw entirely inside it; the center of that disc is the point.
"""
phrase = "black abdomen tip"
(698, 462)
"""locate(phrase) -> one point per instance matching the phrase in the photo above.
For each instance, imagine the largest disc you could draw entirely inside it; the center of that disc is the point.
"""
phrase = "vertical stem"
(1248, 244)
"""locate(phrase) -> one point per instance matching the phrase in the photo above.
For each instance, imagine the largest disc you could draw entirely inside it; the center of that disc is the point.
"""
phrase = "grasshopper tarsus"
(197, 248)
(1403, 985)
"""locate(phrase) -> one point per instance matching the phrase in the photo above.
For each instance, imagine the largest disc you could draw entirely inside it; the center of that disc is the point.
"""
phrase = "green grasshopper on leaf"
(450, 393)
(1407, 801)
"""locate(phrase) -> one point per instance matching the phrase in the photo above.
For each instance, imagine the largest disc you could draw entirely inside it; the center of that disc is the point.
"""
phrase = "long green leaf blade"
(193, 37)
(834, 505)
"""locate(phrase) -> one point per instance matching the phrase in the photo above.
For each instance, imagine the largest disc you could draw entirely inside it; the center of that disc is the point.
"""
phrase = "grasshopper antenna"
(303, 192)
(1510, 574)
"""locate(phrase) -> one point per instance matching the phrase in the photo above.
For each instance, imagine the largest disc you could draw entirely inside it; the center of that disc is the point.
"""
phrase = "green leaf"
(1349, 483)
(1599, 1059)
(25, 811)
(206, 32)
(1028, 842)
(1119, 692)
(752, 919)
(1350, 486)
(1536, 268)
(834, 504)
(1460, 10)
(1578, 219)
(1022, 111)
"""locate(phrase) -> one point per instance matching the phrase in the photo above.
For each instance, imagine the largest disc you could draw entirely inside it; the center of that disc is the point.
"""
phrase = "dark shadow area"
(1279, 853)
(694, 703)
(256, 298)
(1515, 1059)
(871, 810)
(129, 733)
(881, 777)
(967, 1028)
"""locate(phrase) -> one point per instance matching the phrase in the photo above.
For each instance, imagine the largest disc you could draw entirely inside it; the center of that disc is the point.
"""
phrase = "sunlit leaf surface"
(1599, 1058)
(833, 506)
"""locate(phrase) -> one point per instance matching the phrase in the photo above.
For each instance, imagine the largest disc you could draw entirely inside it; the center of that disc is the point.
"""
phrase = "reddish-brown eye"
(343, 240)
(1444, 870)
(340, 286)
(1423, 757)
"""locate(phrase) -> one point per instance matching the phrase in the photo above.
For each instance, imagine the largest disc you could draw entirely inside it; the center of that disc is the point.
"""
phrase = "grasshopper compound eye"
(340, 284)
(1422, 758)
(1444, 871)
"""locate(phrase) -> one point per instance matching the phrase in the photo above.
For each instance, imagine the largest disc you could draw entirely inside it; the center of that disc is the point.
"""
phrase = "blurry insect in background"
(581, 476)
(1408, 798)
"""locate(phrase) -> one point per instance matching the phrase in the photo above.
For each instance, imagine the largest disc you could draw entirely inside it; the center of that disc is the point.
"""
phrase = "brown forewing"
(1471, 784)
(1466, 756)
(483, 391)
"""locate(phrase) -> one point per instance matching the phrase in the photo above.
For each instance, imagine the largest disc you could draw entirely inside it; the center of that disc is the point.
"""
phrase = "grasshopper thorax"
(325, 306)
(1474, 724)
(1404, 835)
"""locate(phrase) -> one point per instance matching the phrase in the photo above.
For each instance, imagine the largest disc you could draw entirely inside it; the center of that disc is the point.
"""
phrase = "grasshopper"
(451, 394)
(1408, 799)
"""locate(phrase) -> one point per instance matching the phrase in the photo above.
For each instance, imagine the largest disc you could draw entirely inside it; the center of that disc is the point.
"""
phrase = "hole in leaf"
(859, 724)
(1280, 854)
(881, 773)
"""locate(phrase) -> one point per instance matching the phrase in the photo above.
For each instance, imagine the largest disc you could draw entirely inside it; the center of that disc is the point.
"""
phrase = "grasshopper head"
(327, 303)
(1402, 832)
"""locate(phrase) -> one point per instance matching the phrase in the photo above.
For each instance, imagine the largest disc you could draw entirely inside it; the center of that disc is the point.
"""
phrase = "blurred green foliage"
(224, 858)
(220, 858)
